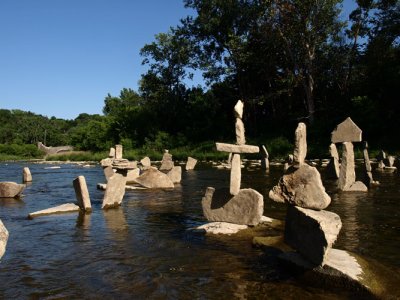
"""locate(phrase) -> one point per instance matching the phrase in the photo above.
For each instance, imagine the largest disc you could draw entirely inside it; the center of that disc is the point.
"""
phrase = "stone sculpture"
(167, 163)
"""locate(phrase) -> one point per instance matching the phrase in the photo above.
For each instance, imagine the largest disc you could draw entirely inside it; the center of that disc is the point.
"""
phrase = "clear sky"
(62, 57)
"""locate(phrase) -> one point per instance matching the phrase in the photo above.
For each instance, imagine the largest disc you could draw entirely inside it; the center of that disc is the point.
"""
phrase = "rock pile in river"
(246, 207)
(309, 229)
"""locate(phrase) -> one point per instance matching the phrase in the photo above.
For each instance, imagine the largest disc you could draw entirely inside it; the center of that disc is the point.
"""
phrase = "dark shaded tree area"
(288, 60)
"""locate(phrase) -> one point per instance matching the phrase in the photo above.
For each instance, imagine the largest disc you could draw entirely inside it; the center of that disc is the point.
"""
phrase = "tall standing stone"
(26, 175)
(368, 170)
(300, 150)
(236, 174)
(82, 193)
(239, 128)
(333, 168)
(118, 151)
(347, 172)
(191, 163)
(111, 154)
(115, 190)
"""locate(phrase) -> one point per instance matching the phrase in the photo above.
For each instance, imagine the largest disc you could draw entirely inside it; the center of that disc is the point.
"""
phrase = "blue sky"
(62, 57)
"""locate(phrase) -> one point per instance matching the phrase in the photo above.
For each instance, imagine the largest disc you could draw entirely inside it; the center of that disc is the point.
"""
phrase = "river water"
(144, 250)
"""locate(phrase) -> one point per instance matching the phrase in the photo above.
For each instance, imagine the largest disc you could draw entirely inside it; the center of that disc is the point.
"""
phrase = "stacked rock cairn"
(309, 228)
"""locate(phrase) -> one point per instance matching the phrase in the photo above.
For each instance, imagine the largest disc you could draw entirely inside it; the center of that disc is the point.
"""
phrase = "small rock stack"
(309, 229)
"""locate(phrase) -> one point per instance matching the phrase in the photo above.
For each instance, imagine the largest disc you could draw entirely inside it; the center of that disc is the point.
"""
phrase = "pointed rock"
(239, 109)
(347, 131)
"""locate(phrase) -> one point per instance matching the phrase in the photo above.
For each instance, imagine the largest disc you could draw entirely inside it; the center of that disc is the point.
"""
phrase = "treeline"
(288, 60)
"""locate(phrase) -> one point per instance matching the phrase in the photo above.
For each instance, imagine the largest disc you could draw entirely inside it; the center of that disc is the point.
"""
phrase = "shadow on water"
(144, 249)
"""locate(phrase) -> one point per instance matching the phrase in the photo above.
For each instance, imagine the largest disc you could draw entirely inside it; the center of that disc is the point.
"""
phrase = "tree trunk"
(308, 85)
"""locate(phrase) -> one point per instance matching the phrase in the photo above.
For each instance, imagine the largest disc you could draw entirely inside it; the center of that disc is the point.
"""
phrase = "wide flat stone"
(220, 228)
(191, 163)
(64, 208)
(9, 189)
(3, 239)
(312, 233)
(246, 208)
(348, 271)
(347, 131)
(237, 148)
(302, 187)
(152, 178)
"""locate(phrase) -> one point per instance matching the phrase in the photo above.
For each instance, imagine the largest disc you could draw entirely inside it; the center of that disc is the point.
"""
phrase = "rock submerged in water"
(152, 178)
(10, 189)
(302, 187)
(312, 233)
(64, 208)
(246, 208)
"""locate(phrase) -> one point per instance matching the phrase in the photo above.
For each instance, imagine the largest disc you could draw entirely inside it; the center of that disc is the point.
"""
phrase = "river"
(144, 250)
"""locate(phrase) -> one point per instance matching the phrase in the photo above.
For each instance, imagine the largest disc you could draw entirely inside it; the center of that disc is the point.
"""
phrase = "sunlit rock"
(10, 189)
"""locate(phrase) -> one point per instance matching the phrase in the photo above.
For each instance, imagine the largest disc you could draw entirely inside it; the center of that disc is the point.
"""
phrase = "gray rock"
(220, 228)
(3, 239)
(175, 174)
(146, 163)
(108, 172)
(236, 174)
(302, 187)
(347, 175)
(132, 175)
(82, 193)
(26, 175)
(333, 167)
(167, 162)
(115, 190)
(300, 150)
(239, 109)
(312, 233)
(347, 131)
(246, 208)
(152, 178)
(111, 154)
(357, 186)
(191, 163)
(239, 129)
(106, 162)
(10, 189)
(118, 151)
(64, 208)
(237, 148)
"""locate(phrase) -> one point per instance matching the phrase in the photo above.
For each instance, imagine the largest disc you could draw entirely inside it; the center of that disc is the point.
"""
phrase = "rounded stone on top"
(239, 109)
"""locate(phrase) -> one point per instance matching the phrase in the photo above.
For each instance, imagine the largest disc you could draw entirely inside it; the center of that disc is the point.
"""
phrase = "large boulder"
(246, 208)
(10, 189)
(302, 187)
(3, 239)
(152, 178)
(312, 233)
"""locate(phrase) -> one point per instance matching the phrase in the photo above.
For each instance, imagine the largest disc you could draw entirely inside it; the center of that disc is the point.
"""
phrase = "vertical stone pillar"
(82, 193)
(300, 150)
(26, 175)
(347, 174)
(265, 158)
(111, 154)
(118, 151)
(236, 174)
(115, 190)
(333, 168)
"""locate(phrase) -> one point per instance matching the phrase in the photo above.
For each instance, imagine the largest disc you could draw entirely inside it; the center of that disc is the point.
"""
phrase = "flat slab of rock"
(347, 131)
(220, 228)
(302, 187)
(230, 148)
(64, 208)
(246, 208)
(350, 272)
(312, 233)
(191, 163)
(103, 186)
(152, 178)
(9, 189)
(3, 239)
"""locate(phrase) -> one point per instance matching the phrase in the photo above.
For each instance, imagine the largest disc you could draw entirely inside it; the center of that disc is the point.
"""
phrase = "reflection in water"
(144, 250)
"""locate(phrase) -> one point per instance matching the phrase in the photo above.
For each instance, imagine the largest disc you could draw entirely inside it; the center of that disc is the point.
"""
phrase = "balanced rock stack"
(346, 133)
(246, 207)
(309, 229)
